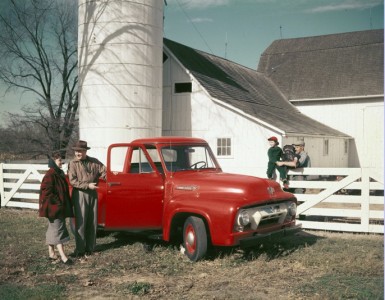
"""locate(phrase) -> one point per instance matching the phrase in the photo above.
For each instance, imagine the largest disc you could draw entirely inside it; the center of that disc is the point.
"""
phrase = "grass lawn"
(313, 265)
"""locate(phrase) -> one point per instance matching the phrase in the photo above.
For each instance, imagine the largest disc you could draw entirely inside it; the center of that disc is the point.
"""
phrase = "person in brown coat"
(83, 174)
(55, 205)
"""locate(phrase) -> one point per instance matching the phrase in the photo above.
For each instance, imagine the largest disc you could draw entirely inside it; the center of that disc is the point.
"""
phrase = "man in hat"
(304, 159)
(301, 159)
(84, 173)
(303, 162)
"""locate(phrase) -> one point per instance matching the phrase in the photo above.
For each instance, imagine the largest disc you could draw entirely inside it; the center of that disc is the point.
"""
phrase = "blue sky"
(248, 27)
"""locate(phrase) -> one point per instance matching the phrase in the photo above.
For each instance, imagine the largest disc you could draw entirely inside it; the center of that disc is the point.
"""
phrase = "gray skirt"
(57, 232)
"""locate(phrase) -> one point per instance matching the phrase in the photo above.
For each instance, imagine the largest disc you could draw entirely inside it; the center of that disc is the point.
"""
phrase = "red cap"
(273, 138)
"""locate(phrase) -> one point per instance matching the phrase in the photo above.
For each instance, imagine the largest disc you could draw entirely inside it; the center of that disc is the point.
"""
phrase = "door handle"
(114, 184)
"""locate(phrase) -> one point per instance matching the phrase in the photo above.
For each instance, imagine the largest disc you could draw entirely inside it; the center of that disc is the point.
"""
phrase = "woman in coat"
(55, 205)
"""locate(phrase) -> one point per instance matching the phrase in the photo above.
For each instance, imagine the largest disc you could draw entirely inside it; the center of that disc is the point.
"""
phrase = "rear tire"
(195, 238)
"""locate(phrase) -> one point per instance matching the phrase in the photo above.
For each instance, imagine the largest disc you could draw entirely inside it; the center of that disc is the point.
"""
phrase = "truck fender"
(177, 219)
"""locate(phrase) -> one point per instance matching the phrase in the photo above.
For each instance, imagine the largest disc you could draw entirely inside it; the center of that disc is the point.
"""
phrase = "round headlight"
(244, 218)
(292, 209)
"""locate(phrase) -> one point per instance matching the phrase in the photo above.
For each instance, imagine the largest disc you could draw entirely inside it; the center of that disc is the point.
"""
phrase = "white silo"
(120, 71)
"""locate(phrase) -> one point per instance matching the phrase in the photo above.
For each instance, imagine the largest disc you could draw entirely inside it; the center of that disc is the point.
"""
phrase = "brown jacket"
(82, 173)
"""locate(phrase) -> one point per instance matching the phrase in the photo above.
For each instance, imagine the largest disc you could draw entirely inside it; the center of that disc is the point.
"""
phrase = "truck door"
(134, 189)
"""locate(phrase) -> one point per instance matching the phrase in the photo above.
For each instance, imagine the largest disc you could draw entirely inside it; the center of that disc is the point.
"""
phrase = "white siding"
(196, 114)
(249, 139)
(363, 120)
(176, 118)
(314, 146)
(373, 140)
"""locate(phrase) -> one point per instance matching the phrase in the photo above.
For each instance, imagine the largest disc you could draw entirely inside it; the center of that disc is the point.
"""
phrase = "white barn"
(337, 80)
(236, 109)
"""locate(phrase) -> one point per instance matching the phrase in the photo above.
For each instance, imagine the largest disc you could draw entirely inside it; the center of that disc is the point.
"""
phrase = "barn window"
(346, 146)
(224, 146)
(326, 147)
(183, 87)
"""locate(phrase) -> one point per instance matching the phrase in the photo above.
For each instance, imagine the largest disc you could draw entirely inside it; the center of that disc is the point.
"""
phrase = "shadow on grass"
(270, 249)
(123, 239)
(281, 248)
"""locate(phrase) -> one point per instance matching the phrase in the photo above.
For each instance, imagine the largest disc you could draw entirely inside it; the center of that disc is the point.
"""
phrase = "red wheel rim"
(190, 239)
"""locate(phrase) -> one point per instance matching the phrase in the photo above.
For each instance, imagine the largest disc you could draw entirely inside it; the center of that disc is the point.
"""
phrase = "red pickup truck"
(175, 187)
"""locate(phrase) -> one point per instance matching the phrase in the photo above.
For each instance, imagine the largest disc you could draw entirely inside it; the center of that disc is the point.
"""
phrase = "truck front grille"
(269, 221)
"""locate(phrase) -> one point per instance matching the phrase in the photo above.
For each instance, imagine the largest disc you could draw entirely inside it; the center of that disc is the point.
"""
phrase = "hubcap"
(190, 239)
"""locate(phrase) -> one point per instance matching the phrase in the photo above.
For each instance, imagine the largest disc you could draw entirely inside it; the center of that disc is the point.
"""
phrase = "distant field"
(314, 265)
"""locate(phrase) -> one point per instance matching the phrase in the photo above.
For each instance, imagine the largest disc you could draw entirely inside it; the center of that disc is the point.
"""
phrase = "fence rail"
(336, 199)
(340, 199)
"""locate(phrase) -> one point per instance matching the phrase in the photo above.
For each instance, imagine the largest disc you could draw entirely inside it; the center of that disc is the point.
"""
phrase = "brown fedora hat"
(80, 145)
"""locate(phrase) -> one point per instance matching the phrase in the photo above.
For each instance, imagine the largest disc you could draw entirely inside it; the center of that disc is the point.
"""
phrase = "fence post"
(365, 196)
(2, 196)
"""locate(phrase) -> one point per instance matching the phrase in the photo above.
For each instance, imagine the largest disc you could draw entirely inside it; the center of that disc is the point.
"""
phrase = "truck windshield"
(187, 157)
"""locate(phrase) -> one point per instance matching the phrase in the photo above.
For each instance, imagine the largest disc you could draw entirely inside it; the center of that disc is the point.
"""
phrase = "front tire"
(195, 238)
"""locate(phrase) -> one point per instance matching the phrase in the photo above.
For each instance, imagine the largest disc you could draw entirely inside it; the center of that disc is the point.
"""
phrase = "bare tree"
(38, 54)
(18, 141)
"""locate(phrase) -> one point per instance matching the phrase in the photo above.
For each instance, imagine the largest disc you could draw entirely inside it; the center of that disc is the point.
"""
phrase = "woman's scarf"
(53, 165)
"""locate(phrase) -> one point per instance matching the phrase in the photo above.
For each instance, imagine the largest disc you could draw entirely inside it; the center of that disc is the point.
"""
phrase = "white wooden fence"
(338, 199)
(20, 184)
(341, 199)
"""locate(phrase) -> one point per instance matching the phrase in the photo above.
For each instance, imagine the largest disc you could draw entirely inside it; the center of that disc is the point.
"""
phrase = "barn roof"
(329, 66)
(247, 90)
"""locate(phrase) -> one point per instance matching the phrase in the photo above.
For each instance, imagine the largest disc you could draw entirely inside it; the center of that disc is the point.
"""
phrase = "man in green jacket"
(274, 154)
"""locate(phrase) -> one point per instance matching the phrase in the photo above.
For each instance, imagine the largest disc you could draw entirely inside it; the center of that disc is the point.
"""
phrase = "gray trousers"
(86, 219)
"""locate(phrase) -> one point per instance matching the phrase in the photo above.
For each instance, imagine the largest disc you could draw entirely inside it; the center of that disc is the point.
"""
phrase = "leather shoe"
(76, 254)
(68, 262)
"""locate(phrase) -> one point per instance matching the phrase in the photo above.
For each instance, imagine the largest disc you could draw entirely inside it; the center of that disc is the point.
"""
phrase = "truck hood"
(244, 188)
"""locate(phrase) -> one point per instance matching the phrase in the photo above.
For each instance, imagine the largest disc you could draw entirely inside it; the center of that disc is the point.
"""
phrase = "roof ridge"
(211, 55)
(321, 49)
